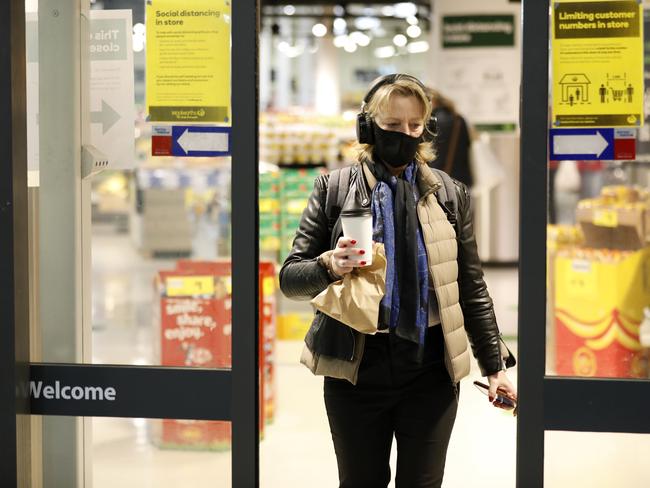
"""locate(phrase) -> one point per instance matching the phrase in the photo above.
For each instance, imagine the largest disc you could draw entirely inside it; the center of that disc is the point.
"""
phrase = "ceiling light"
(350, 46)
(413, 31)
(367, 23)
(295, 51)
(340, 25)
(388, 11)
(405, 10)
(364, 40)
(400, 40)
(338, 10)
(290, 51)
(139, 28)
(385, 52)
(412, 19)
(319, 30)
(418, 47)
(289, 10)
(360, 38)
(339, 41)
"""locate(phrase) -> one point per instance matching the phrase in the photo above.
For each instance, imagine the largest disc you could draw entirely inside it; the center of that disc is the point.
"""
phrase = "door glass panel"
(132, 453)
(595, 459)
(164, 453)
(598, 293)
(161, 291)
(129, 264)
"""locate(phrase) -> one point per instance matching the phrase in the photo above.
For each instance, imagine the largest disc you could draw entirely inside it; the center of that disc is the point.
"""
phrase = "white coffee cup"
(357, 225)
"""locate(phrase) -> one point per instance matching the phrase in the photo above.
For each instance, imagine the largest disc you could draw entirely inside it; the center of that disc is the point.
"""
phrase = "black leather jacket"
(302, 278)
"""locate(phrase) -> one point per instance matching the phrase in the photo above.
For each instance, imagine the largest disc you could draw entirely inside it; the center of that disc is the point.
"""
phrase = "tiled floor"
(296, 450)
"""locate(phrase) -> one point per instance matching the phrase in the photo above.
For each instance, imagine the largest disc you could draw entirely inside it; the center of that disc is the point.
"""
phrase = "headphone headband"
(387, 80)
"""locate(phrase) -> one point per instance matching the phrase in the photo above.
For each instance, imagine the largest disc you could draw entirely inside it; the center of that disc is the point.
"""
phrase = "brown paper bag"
(354, 300)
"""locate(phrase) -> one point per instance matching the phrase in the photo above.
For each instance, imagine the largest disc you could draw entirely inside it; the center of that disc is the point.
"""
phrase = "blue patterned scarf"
(404, 307)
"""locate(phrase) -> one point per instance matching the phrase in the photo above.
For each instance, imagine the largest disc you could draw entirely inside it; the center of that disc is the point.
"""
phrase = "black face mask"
(395, 148)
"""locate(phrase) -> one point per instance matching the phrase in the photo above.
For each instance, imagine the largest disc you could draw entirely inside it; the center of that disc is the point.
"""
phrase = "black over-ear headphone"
(365, 124)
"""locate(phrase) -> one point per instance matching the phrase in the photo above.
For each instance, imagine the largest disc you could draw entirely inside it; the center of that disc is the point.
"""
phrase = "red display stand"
(195, 318)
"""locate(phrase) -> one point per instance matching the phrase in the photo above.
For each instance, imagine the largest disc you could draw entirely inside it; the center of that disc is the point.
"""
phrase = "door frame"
(588, 404)
(228, 395)
(15, 462)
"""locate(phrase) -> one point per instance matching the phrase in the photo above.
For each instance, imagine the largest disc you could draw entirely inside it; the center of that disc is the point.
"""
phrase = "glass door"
(584, 293)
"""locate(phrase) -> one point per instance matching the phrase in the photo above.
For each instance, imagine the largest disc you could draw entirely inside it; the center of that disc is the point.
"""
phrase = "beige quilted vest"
(442, 253)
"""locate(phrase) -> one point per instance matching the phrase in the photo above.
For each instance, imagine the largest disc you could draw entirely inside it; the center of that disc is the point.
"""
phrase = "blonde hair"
(403, 86)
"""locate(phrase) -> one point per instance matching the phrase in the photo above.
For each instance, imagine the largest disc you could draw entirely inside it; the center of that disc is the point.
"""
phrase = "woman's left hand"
(500, 380)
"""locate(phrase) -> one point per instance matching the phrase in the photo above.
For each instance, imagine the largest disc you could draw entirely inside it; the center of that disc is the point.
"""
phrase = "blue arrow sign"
(582, 144)
(200, 141)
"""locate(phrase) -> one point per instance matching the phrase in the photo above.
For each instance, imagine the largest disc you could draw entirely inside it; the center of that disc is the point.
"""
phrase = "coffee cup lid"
(356, 212)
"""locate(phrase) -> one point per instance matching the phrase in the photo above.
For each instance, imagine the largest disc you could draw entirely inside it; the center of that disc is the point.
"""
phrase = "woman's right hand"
(341, 263)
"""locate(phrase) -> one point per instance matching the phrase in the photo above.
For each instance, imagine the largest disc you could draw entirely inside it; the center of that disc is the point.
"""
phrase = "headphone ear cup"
(365, 133)
(432, 127)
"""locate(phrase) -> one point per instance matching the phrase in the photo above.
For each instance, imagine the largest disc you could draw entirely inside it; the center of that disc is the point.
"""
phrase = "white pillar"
(283, 68)
(328, 89)
(306, 67)
(266, 52)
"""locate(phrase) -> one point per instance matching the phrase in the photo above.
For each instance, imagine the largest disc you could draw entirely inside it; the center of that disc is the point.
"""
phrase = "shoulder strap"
(448, 197)
(337, 190)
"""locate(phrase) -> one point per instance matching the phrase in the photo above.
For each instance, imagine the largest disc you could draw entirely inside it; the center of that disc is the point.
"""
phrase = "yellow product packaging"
(599, 299)
(293, 326)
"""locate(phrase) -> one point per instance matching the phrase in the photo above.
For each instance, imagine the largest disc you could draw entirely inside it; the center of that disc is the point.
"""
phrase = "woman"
(403, 380)
(452, 139)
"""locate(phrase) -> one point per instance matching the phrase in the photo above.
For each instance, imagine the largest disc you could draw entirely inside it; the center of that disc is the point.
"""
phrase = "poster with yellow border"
(188, 60)
(597, 49)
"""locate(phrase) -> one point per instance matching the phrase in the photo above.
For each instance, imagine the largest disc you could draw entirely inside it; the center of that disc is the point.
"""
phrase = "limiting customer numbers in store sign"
(188, 286)
(597, 49)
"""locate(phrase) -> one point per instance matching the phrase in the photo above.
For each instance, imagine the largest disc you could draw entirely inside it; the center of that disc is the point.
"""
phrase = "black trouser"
(395, 395)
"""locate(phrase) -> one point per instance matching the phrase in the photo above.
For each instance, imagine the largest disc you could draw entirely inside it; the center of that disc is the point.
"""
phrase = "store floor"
(296, 450)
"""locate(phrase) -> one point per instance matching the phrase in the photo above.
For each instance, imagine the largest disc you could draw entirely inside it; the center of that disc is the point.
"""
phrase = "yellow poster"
(188, 60)
(597, 49)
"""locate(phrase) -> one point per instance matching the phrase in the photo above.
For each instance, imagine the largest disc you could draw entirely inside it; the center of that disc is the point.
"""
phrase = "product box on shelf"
(615, 228)
(195, 329)
(268, 334)
(599, 301)
(618, 219)
(269, 184)
(269, 232)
